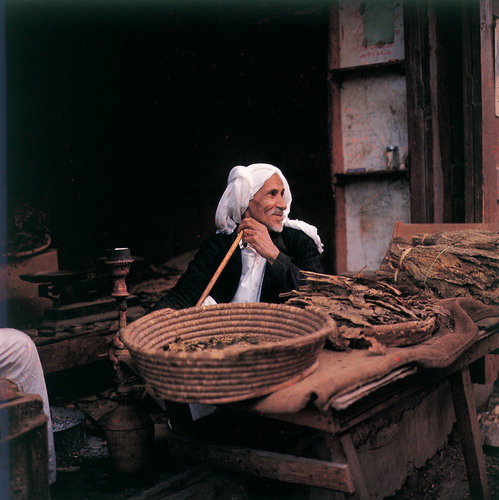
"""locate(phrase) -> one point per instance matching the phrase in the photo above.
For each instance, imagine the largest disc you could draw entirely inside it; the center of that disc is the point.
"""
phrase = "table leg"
(469, 433)
(352, 460)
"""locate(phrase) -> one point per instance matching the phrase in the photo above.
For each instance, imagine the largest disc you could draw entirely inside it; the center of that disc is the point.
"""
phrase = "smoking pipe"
(119, 261)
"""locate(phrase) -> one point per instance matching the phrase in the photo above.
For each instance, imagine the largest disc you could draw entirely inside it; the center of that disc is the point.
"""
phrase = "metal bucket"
(68, 425)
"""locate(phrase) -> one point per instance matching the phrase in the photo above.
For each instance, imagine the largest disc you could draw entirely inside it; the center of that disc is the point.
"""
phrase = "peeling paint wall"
(373, 207)
(373, 117)
(355, 50)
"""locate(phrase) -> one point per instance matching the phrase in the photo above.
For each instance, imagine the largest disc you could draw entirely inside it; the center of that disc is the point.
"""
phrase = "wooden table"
(81, 343)
(69, 349)
(338, 425)
(346, 475)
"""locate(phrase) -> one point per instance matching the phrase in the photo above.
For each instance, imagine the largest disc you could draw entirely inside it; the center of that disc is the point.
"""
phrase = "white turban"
(242, 185)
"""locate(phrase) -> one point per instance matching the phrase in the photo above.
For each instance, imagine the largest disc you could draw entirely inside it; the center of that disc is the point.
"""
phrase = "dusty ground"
(86, 473)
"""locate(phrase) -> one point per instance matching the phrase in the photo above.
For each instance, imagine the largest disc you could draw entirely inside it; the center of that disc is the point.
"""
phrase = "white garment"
(20, 363)
(251, 280)
(242, 185)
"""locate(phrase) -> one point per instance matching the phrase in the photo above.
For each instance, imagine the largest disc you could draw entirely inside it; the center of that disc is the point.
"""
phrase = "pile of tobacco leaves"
(399, 305)
(215, 342)
(369, 312)
(450, 264)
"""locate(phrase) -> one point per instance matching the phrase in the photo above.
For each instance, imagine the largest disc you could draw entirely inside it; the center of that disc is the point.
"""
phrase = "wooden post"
(469, 433)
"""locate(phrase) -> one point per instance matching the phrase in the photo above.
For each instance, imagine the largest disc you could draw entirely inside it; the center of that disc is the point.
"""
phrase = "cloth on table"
(339, 373)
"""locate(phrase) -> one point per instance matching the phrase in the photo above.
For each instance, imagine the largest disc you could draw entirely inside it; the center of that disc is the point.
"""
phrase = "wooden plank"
(446, 104)
(366, 406)
(407, 231)
(354, 464)
(472, 106)
(337, 161)
(489, 123)
(496, 62)
(419, 121)
(23, 447)
(334, 26)
(73, 352)
(311, 418)
(469, 433)
(201, 479)
(282, 467)
(402, 392)
(24, 415)
(38, 459)
(485, 370)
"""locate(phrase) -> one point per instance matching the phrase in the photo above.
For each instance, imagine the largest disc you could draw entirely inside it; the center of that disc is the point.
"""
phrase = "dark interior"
(124, 120)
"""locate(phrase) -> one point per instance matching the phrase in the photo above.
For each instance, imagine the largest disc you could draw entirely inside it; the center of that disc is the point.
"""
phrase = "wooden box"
(23, 445)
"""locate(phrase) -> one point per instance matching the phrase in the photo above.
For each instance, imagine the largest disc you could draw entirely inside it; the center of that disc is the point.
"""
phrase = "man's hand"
(117, 351)
(115, 345)
(257, 235)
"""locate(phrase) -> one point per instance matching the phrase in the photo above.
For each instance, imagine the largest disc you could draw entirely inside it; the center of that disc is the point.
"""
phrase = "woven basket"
(291, 339)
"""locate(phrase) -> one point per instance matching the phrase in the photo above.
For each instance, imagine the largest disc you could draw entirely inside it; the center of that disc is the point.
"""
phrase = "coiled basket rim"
(235, 373)
(134, 331)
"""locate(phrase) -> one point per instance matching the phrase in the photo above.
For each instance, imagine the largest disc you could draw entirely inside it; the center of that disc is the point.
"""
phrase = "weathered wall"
(386, 22)
(373, 207)
(373, 114)
(404, 437)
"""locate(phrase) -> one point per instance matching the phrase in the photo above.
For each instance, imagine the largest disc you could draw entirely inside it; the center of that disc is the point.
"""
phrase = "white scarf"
(243, 183)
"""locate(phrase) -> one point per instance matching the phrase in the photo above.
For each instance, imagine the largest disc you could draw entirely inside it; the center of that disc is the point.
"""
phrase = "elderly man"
(272, 252)
(273, 249)
(268, 261)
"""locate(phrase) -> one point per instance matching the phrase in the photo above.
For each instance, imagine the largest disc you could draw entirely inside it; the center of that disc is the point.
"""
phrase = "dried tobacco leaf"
(368, 311)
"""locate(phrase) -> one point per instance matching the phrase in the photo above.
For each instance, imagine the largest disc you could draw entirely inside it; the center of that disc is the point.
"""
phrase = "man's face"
(267, 206)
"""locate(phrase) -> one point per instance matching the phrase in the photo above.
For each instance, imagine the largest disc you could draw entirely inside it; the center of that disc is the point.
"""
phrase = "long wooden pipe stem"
(220, 268)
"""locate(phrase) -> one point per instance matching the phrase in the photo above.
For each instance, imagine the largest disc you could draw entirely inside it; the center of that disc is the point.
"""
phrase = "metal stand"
(119, 261)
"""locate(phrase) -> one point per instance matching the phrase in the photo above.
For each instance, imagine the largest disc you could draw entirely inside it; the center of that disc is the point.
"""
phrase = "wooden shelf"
(395, 66)
(343, 178)
(392, 64)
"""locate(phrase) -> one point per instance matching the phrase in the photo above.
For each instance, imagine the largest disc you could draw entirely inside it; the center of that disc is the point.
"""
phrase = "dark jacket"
(297, 252)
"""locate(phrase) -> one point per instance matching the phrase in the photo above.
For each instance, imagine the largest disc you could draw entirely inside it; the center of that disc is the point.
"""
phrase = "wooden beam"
(489, 123)
(472, 116)
(73, 352)
(353, 461)
(23, 447)
(469, 433)
(198, 482)
(419, 115)
(282, 467)
(447, 96)
(337, 160)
